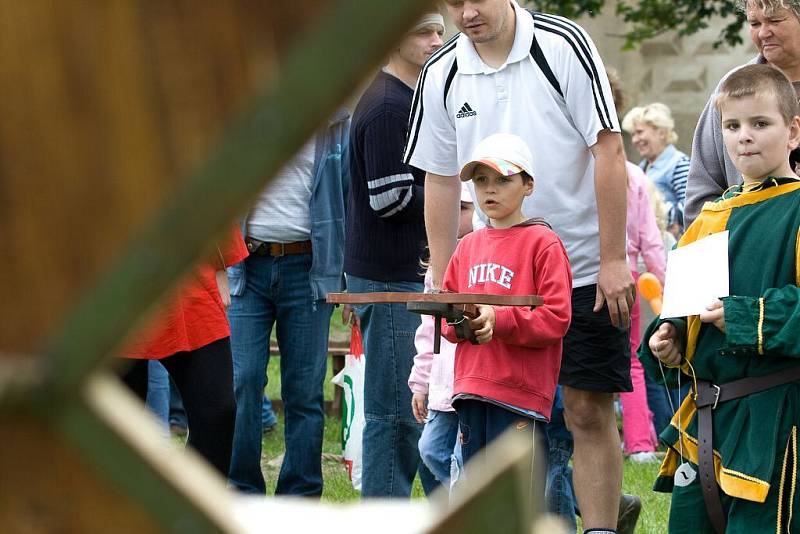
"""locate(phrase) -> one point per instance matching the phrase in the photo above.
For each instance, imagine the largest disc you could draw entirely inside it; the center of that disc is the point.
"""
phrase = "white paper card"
(697, 274)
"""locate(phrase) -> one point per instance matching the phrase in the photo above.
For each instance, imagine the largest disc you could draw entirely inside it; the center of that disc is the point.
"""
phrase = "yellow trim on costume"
(761, 326)
(670, 464)
(750, 197)
(693, 325)
(790, 445)
(794, 475)
(732, 483)
(797, 259)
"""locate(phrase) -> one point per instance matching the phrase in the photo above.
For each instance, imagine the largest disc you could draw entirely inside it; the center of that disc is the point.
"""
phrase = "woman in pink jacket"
(644, 239)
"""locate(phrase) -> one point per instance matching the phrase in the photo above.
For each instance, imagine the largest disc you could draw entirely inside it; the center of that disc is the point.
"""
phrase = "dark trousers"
(204, 378)
(482, 422)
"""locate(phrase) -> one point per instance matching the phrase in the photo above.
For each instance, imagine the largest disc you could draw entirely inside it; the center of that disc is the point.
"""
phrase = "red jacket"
(520, 365)
(194, 316)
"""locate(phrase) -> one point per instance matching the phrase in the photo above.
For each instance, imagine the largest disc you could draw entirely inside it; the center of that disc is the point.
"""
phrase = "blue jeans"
(482, 422)
(268, 417)
(278, 292)
(437, 445)
(163, 398)
(391, 434)
(659, 399)
(158, 392)
(558, 491)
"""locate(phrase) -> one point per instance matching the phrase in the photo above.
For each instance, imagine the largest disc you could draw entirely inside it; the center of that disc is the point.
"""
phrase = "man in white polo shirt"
(540, 77)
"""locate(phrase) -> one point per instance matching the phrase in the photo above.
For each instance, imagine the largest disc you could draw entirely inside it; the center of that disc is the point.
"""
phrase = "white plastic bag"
(351, 380)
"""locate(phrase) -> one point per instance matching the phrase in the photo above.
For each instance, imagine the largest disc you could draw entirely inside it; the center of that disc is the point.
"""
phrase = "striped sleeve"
(677, 182)
(392, 190)
(581, 74)
(679, 177)
(431, 137)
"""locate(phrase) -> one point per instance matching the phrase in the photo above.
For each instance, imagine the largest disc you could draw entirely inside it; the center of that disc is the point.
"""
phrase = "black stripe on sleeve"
(580, 46)
(538, 57)
(580, 34)
(417, 107)
(420, 80)
(450, 76)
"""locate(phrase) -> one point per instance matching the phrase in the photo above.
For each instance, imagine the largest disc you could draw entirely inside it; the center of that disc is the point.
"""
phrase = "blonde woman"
(653, 134)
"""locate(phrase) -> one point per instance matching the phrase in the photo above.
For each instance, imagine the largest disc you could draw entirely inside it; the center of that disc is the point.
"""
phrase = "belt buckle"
(716, 395)
(717, 392)
(282, 250)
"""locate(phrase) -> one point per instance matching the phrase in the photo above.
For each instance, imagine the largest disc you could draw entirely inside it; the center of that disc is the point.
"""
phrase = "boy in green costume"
(732, 460)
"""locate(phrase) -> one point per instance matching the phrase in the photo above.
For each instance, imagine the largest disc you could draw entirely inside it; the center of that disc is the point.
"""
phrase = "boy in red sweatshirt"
(509, 378)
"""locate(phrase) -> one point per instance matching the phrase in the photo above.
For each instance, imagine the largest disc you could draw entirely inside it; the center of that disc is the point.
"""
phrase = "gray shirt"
(282, 212)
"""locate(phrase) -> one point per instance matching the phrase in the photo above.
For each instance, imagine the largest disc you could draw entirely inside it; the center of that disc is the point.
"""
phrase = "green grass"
(638, 480)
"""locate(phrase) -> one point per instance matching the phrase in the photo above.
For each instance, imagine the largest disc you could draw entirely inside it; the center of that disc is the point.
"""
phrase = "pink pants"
(637, 419)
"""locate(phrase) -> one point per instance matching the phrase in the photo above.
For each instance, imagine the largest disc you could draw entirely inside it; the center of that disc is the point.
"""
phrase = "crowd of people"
(494, 163)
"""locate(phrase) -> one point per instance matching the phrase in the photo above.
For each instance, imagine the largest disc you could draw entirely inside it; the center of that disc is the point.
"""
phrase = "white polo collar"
(469, 62)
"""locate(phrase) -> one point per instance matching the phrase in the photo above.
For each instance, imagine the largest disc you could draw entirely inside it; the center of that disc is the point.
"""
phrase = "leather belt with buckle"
(706, 398)
(276, 250)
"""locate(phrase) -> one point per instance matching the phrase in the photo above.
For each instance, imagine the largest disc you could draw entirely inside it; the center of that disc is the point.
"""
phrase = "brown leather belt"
(706, 399)
(276, 250)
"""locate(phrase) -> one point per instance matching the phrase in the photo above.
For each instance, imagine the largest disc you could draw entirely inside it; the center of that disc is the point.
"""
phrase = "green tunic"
(755, 437)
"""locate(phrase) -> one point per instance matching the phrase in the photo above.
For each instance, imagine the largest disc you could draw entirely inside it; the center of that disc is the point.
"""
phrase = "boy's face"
(757, 138)
(500, 197)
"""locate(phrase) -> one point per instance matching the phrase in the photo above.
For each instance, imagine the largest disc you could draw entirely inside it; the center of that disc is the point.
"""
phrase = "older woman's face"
(776, 34)
(648, 140)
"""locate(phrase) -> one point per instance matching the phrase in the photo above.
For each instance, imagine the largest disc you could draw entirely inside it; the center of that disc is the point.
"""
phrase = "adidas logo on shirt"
(465, 111)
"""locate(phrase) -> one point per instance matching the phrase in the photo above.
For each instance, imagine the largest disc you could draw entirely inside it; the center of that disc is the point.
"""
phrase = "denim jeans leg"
(457, 460)
(251, 316)
(268, 417)
(658, 400)
(177, 413)
(437, 443)
(558, 491)
(158, 392)
(302, 331)
(391, 434)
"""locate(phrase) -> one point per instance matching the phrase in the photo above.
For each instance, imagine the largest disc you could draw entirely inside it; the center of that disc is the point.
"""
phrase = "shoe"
(643, 457)
(269, 428)
(630, 506)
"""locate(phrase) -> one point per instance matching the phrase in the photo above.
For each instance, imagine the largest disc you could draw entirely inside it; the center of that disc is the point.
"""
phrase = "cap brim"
(503, 167)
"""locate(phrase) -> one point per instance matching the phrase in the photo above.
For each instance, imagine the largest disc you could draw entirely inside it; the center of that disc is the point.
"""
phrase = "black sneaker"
(268, 429)
(630, 506)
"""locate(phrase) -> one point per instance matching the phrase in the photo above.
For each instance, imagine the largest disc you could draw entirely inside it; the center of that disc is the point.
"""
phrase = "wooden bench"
(337, 350)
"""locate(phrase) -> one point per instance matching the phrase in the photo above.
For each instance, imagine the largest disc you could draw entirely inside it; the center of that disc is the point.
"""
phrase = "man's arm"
(615, 283)
(442, 194)
(393, 195)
